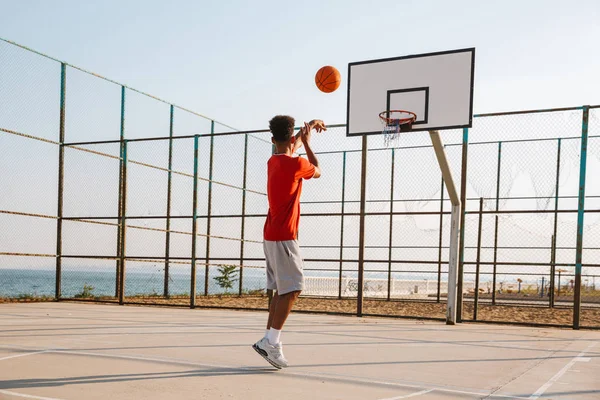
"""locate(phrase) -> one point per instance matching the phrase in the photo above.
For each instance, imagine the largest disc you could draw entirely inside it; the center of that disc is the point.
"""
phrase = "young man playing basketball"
(285, 173)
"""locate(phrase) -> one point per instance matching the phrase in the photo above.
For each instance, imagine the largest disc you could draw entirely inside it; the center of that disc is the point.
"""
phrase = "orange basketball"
(328, 79)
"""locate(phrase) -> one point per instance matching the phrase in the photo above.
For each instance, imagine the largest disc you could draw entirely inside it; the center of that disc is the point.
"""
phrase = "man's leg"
(283, 308)
(278, 314)
(272, 309)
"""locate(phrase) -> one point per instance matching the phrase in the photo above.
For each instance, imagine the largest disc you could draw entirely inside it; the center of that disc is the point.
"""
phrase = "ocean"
(41, 282)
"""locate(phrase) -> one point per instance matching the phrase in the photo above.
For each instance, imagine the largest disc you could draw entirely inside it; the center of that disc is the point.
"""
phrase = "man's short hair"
(282, 127)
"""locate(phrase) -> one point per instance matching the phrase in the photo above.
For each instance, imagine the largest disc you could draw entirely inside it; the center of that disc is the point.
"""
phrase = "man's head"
(282, 128)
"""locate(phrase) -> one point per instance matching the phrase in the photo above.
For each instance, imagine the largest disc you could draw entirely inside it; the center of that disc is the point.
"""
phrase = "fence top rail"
(538, 111)
(321, 152)
(150, 139)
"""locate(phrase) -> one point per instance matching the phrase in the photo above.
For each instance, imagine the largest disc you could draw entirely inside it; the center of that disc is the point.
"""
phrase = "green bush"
(227, 277)
(86, 293)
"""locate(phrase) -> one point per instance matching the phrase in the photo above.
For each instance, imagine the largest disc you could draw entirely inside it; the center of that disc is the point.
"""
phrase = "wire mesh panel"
(145, 117)
(27, 278)
(29, 93)
(89, 279)
(93, 108)
(91, 181)
(30, 176)
(147, 178)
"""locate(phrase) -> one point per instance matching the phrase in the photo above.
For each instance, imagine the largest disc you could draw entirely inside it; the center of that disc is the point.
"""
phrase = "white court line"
(26, 396)
(580, 357)
(348, 378)
(89, 340)
(410, 395)
(23, 355)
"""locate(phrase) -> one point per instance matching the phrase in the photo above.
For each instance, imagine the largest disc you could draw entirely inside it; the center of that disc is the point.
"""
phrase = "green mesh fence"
(123, 208)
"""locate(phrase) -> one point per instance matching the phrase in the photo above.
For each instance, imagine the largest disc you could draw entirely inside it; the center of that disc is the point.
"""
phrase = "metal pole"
(476, 294)
(342, 225)
(168, 224)
(123, 226)
(494, 274)
(121, 138)
(455, 219)
(270, 291)
(210, 177)
(243, 214)
(61, 175)
(553, 251)
(61, 179)
(580, 215)
(390, 240)
(543, 287)
(440, 243)
(559, 272)
(361, 237)
(463, 203)
(552, 269)
(120, 206)
(194, 227)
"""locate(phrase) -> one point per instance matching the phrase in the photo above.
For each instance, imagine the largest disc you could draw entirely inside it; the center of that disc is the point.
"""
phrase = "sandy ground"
(590, 317)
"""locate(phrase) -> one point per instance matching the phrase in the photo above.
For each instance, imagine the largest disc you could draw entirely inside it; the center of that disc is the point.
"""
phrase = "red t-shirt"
(284, 186)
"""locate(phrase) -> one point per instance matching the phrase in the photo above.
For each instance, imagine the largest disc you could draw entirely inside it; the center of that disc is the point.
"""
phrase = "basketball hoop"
(394, 122)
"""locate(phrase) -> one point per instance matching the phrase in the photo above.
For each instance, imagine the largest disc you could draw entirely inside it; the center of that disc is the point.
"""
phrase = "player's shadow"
(115, 378)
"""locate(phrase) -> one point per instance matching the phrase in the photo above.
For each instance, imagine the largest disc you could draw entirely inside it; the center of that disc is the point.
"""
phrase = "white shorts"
(284, 266)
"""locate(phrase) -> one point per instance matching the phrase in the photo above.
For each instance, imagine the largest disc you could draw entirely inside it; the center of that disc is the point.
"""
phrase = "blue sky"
(241, 62)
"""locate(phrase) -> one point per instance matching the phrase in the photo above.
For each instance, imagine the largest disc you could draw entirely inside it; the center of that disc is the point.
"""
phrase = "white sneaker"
(273, 354)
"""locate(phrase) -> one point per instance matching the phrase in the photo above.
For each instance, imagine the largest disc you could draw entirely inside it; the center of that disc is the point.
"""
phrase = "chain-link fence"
(110, 194)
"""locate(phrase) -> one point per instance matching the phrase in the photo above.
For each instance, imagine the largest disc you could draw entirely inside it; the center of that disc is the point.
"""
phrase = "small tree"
(86, 293)
(228, 275)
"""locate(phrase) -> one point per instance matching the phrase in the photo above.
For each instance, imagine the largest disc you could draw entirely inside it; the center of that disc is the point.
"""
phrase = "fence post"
(61, 176)
(498, 175)
(118, 281)
(270, 291)
(552, 270)
(361, 233)
(440, 242)
(342, 224)
(463, 206)
(580, 215)
(242, 234)
(168, 222)
(121, 138)
(210, 178)
(390, 240)
(194, 226)
(553, 250)
(123, 225)
(477, 267)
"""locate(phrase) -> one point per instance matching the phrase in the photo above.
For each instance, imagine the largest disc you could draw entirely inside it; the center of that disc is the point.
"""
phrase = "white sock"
(273, 336)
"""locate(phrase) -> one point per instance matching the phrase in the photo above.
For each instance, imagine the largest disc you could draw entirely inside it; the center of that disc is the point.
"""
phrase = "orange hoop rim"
(398, 121)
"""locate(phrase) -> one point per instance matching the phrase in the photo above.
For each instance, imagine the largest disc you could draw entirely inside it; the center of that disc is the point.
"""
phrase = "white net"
(394, 122)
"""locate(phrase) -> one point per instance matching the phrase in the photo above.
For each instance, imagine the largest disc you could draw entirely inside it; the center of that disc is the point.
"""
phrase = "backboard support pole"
(440, 154)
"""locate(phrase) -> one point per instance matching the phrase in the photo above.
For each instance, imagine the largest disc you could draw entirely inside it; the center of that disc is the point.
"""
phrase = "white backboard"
(438, 87)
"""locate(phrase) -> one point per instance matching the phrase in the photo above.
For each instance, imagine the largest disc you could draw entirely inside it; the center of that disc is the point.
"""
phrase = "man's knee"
(294, 295)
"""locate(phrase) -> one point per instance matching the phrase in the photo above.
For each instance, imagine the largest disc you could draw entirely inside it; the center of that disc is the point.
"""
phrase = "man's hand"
(318, 125)
(305, 133)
